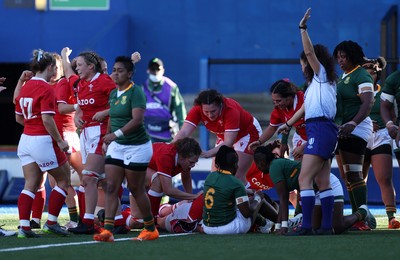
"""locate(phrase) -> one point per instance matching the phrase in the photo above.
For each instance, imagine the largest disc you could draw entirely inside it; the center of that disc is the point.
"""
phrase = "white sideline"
(78, 243)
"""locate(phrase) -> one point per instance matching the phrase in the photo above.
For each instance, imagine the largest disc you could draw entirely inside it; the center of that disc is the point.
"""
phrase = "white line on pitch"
(78, 243)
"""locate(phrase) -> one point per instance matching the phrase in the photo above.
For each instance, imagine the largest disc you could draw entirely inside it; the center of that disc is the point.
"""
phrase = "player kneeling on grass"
(284, 174)
(227, 208)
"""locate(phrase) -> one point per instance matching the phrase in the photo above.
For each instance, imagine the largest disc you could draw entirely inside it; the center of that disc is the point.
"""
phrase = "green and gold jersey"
(285, 170)
(121, 113)
(221, 190)
(348, 100)
(392, 87)
(375, 113)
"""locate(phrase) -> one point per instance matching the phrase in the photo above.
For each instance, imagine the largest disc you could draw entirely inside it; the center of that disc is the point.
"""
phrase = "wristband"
(304, 27)
(259, 141)
(277, 226)
(75, 106)
(287, 125)
(389, 123)
(118, 133)
(352, 123)
(284, 224)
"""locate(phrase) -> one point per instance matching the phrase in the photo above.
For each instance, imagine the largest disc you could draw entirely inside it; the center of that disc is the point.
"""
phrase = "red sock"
(119, 222)
(24, 207)
(126, 213)
(196, 210)
(87, 221)
(38, 203)
(56, 201)
(155, 204)
(81, 202)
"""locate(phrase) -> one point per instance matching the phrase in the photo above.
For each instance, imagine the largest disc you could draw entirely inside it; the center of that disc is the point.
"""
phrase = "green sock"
(73, 213)
(109, 223)
(149, 223)
(351, 199)
(359, 190)
(390, 211)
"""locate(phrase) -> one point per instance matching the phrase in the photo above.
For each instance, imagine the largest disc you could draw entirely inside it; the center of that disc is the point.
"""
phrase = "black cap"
(155, 64)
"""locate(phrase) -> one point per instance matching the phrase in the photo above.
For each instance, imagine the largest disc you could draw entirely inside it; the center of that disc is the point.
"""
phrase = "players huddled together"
(116, 133)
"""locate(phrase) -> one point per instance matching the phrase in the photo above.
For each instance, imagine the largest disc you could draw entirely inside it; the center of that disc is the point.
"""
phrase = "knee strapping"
(93, 174)
(352, 168)
(155, 194)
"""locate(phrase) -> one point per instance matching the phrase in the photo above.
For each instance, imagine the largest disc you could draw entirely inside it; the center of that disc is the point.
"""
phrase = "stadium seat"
(13, 190)
(3, 181)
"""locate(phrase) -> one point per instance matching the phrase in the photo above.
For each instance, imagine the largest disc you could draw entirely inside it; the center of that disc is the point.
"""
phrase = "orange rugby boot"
(147, 235)
(104, 236)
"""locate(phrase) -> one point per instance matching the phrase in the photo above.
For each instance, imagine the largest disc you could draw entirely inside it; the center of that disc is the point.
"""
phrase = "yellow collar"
(224, 172)
(353, 70)
(127, 87)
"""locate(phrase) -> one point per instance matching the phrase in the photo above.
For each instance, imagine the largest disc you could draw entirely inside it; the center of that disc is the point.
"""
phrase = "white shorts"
(242, 144)
(90, 141)
(379, 138)
(364, 129)
(42, 150)
(337, 190)
(72, 138)
(297, 140)
(240, 225)
(130, 154)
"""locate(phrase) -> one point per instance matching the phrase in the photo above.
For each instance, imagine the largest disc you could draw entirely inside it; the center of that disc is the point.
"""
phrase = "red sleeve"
(18, 109)
(63, 91)
(194, 115)
(72, 79)
(276, 117)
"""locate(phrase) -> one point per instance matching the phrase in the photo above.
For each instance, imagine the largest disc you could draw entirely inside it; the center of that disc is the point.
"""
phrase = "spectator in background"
(233, 126)
(41, 147)
(355, 98)
(165, 108)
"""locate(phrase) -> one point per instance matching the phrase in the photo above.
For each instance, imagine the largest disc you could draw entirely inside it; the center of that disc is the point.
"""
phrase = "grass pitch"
(380, 243)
